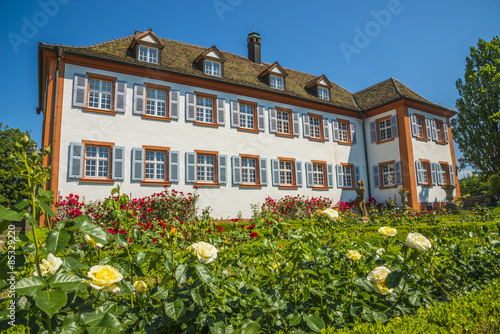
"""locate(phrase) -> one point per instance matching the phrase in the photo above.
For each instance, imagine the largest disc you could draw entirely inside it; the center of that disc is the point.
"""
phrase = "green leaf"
(217, 327)
(162, 293)
(173, 310)
(251, 327)
(295, 320)
(203, 273)
(11, 215)
(72, 328)
(198, 295)
(91, 318)
(121, 240)
(379, 316)
(109, 324)
(30, 285)
(71, 264)
(46, 208)
(314, 322)
(180, 274)
(57, 240)
(31, 219)
(45, 195)
(4, 224)
(65, 281)
(86, 227)
(20, 205)
(393, 279)
(51, 301)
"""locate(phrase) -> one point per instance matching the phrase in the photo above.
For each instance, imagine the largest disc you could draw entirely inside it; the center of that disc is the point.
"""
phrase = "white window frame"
(443, 170)
(315, 125)
(204, 113)
(156, 106)
(205, 171)
(388, 174)
(247, 116)
(213, 68)
(151, 55)
(283, 122)
(248, 171)
(323, 93)
(286, 173)
(277, 82)
(343, 132)
(420, 123)
(347, 176)
(99, 161)
(425, 172)
(103, 96)
(318, 175)
(156, 164)
(385, 131)
(439, 132)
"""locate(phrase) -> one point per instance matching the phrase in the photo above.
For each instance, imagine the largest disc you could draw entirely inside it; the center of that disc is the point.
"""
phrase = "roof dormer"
(320, 87)
(211, 62)
(146, 46)
(274, 76)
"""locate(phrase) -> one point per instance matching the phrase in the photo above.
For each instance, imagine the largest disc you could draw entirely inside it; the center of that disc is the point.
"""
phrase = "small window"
(248, 171)
(283, 122)
(443, 171)
(385, 129)
(343, 132)
(100, 93)
(277, 82)
(315, 127)
(212, 68)
(425, 173)
(347, 176)
(205, 167)
(97, 161)
(388, 175)
(323, 93)
(155, 166)
(156, 102)
(318, 175)
(247, 116)
(439, 132)
(286, 173)
(420, 126)
(148, 54)
(204, 110)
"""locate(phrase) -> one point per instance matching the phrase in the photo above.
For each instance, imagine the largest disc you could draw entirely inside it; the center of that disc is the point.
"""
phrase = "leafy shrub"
(494, 183)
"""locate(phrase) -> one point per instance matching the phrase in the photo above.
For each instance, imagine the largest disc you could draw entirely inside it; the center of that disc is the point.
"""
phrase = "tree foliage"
(475, 127)
(474, 185)
(12, 187)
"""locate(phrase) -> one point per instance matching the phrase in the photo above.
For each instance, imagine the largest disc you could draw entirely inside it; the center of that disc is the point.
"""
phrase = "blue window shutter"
(353, 133)
(76, 152)
(452, 175)
(340, 176)
(173, 166)
(398, 173)
(418, 171)
(309, 174)
(190, 108)
(190, 167)
(335, 132)
(326, 129)
(263, 171)
(413, 122)
(356, 175)
(173, 108)
(137, 164)
(373, 132)
(428, 128)
(118, 163)
(435, 177)
(222, 168)
(139, 99)
(221, 111)
(261, 121)
(236, 169)
(329, 175)
(120, 96)
(298, 173)
(307, 126)
(80, 90)
(235, 114)
(295, 122)
(434, 133)
(272, 121)
(376, 176)
(445, 130)
(275, 171)
(394, 126)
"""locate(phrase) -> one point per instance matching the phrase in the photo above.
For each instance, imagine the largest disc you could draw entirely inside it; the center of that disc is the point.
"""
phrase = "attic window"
(212, 68)
(148, 54)
(277, 82)
(323, 93)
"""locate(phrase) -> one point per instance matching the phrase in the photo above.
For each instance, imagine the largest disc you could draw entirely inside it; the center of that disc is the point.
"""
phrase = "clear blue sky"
(422, 43)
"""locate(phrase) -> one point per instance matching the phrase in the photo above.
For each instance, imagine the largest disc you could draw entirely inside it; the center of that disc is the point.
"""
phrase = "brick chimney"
(253, 40)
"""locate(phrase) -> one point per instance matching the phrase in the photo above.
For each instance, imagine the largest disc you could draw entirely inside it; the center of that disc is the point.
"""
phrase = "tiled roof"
(179, 57)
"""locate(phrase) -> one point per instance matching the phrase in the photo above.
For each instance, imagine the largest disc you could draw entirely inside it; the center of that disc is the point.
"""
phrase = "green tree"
(12, 187)
(475, 128)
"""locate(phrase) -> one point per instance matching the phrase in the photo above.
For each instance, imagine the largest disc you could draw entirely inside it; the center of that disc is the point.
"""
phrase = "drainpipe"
(59, 52)
(366, 158)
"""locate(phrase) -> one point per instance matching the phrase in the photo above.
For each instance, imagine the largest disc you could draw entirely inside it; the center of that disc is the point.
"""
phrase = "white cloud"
(464, 173)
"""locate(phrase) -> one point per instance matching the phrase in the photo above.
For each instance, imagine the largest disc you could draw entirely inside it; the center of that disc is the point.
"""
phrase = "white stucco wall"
(131, 131)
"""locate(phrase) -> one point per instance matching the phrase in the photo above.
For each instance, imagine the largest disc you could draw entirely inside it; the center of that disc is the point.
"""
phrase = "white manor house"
(150, 113)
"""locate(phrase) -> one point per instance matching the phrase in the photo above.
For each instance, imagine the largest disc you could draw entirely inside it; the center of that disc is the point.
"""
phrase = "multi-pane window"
(277, 82)
(96, 162)
(347, 176)
(156, 102)
(315, 126)
(318, 175)
(385, 129)
(205, 168)
(388, 176)
(249, 170)
(155, 166)
(212, 68)
(148, 54)
(246, 116)
(443, 171)
(283, 120)
(286, 173)
(323, 93)
(439, 132)
(425, 172)
(420, 127)
(343, 135)
(204, 110)
(100, 94)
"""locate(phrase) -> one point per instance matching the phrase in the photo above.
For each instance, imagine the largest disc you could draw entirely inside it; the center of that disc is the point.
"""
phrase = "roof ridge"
(396, 87)
(91, 45)
(377, 84)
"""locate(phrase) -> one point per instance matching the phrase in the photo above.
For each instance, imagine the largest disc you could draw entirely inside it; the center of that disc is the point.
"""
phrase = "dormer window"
(323, 93)
(277, 82)
(320, 87)
(274, 76)
(148, 54)
(212, 68)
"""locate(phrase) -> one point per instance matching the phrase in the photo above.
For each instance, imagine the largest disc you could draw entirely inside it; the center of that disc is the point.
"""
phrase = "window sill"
(84, 180)
(426, 185)
(350, 188)
(251, 186)
(388, 187)
(344, 143)
(441, 143)
(157, 118)
(384, 141)
(248, 130)
(422, 139)
(289, 187)
(212, 125)
(285, 135)
(320, 188)
(155, 183)
(206, 184)
(317, 139)
(102, 111)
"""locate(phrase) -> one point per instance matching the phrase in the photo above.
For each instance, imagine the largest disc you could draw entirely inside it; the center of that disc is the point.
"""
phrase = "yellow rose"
(353, 255)
(377, 277)
(330, 213)
(387, 231)
(104, 277)
(91, 241)
(205, 252)
(49, 265)
(381, 288)
(418, 241)
(140, 286)
(380, 251)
